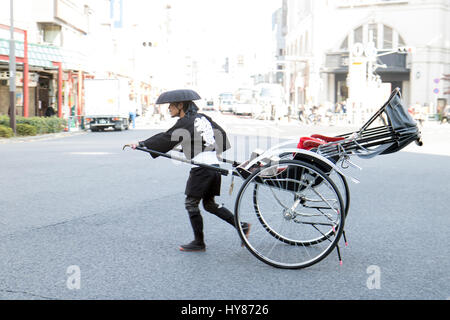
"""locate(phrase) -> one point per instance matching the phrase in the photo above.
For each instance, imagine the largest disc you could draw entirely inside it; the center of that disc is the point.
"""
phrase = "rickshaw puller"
(202, 140)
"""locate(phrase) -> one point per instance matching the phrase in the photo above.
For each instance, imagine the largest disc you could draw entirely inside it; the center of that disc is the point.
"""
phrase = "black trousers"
(192, 207)
(204, 184)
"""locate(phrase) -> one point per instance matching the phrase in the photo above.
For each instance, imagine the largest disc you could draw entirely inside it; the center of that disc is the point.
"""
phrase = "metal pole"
(12, 73)
(25, 75)
(222, 171)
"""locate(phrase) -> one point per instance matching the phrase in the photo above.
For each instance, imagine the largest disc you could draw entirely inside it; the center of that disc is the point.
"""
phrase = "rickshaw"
(296, 196)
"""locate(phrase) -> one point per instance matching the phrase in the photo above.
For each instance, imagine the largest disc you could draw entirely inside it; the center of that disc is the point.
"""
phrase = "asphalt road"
(82, 219)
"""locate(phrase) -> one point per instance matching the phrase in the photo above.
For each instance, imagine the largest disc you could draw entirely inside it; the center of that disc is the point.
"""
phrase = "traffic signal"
(404, 49)
(149, 44)
(226, 65)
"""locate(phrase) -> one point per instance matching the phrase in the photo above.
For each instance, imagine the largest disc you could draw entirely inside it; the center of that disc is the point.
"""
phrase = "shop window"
(51, 34)
(342, 91)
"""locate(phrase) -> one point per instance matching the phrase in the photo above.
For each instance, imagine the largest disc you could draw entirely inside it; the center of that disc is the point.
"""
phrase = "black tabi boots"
(197, 226)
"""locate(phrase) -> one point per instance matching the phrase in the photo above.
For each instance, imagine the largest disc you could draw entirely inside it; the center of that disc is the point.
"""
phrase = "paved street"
(76, 204)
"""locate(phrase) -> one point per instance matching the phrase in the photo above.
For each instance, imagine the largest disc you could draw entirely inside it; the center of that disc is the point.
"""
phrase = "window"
(51, 33)
(373, 32)
(302, 45)
(344, 45)
(358, 35)
(306, 42)
(401, 42)
(387, 37)
(384, 37)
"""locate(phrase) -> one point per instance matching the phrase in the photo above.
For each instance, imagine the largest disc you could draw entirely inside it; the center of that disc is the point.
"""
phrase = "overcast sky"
(225, 26)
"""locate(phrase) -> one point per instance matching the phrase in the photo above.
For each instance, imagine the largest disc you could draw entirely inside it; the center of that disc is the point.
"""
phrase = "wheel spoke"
(294, 214)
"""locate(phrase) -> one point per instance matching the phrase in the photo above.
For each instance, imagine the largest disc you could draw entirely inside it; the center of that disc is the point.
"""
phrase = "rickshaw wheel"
(296, 222)
(338, 179)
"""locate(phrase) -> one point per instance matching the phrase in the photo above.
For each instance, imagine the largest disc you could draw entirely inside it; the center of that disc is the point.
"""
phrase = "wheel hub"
(288, 214)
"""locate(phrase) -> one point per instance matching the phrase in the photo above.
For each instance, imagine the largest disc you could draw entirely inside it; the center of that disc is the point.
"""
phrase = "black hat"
(177, 96)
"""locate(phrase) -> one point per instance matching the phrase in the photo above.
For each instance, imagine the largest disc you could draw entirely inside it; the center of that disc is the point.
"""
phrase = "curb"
(42, 137)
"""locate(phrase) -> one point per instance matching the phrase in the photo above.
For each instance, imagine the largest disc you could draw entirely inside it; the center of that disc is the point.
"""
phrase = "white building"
(330, 44)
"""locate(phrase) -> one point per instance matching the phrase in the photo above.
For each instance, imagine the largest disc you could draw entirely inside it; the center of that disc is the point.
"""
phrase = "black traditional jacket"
(196, 132)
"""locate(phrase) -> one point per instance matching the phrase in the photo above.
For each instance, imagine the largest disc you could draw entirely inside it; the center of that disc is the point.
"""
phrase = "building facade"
(357, 51)
(59, 43)
(50, 64)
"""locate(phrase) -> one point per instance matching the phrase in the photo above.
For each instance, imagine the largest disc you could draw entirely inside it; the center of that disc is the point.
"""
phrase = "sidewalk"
(41, 137)
(148, 123)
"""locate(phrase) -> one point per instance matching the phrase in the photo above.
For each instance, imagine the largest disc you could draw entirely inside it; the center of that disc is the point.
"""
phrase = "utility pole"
(12, 73)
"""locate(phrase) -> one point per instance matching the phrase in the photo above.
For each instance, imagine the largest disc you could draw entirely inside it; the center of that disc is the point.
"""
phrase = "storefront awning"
(44, 55)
